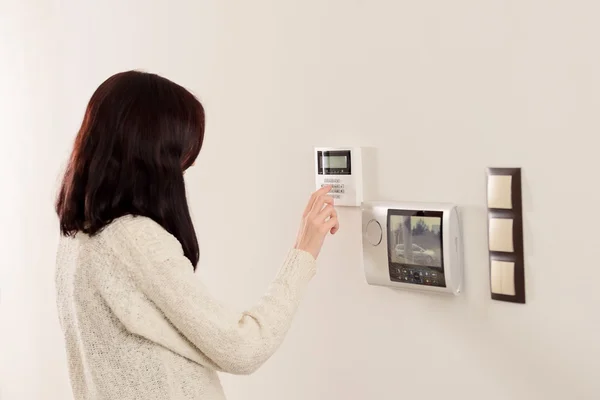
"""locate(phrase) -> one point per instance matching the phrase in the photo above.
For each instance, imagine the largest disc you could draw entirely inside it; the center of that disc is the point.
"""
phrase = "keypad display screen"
(415, 247)
(334, 162)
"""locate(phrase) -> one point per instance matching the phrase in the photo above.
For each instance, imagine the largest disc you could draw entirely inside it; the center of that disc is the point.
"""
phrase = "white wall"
(465, 84)
(31, 361)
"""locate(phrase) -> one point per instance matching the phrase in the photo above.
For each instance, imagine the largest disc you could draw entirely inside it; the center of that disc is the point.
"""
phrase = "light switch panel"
(500, 192)
(505, 234)
(501, 235)
(503, 277)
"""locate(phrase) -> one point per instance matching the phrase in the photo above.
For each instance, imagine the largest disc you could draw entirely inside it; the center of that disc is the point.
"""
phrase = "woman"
(137, 323)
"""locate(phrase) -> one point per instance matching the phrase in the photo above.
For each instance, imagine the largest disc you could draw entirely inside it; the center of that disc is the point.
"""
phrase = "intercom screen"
(415, 250)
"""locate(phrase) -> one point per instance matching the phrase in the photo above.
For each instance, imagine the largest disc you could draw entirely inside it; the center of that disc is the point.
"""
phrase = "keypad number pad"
(337, 188)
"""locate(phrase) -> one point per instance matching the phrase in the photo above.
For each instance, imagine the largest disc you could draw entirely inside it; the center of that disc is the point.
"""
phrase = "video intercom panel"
(413, 246)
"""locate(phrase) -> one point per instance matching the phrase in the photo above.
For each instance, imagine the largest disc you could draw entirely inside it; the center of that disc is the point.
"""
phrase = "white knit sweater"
(139, 325)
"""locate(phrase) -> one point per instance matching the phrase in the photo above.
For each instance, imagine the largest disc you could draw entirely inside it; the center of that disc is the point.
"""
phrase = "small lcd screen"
(335, 161)
(415, 247)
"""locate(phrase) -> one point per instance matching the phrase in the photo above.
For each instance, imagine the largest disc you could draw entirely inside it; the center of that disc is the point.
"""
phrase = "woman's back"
(119, 344)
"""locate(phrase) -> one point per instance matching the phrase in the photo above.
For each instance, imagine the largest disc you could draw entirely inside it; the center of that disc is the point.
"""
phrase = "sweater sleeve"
(234, 342)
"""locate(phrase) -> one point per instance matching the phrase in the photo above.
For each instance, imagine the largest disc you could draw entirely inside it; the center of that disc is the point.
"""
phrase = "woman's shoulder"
(142, 233)
(135, 223)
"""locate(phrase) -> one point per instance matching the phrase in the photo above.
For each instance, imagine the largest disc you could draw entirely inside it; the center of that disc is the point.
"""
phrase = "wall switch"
(500, 192)
(501, 235)
(503, 277)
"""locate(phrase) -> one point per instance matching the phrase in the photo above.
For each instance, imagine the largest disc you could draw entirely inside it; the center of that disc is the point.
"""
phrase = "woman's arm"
(233, 342)
(236, 343)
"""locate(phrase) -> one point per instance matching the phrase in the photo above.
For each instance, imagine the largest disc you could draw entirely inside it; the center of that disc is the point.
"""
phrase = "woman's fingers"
(326, 212)
(335, 222)
(332, 224)
(311, 201)
(328, 216)
(319, 219)
(320, 202)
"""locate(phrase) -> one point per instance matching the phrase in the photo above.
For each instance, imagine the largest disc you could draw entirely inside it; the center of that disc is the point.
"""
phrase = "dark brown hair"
(139, 134)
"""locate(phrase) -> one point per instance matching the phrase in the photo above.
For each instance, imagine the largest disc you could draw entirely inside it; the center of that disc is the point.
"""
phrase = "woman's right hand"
(319, 218)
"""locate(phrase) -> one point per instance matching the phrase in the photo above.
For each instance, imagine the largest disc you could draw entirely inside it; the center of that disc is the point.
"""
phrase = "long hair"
(139, 134)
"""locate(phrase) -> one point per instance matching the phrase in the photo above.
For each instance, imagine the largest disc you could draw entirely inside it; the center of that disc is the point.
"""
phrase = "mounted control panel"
(340, 167)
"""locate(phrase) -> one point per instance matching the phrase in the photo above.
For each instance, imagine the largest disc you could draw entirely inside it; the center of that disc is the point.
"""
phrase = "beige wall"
(461, 84)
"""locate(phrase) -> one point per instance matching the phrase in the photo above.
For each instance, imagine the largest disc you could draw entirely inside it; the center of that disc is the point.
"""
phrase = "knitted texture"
(139, 325)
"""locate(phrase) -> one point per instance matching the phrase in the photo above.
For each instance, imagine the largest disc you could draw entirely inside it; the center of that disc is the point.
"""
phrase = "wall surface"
(441, 89)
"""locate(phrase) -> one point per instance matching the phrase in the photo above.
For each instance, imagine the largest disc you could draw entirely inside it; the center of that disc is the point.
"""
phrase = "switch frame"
(516, 214)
